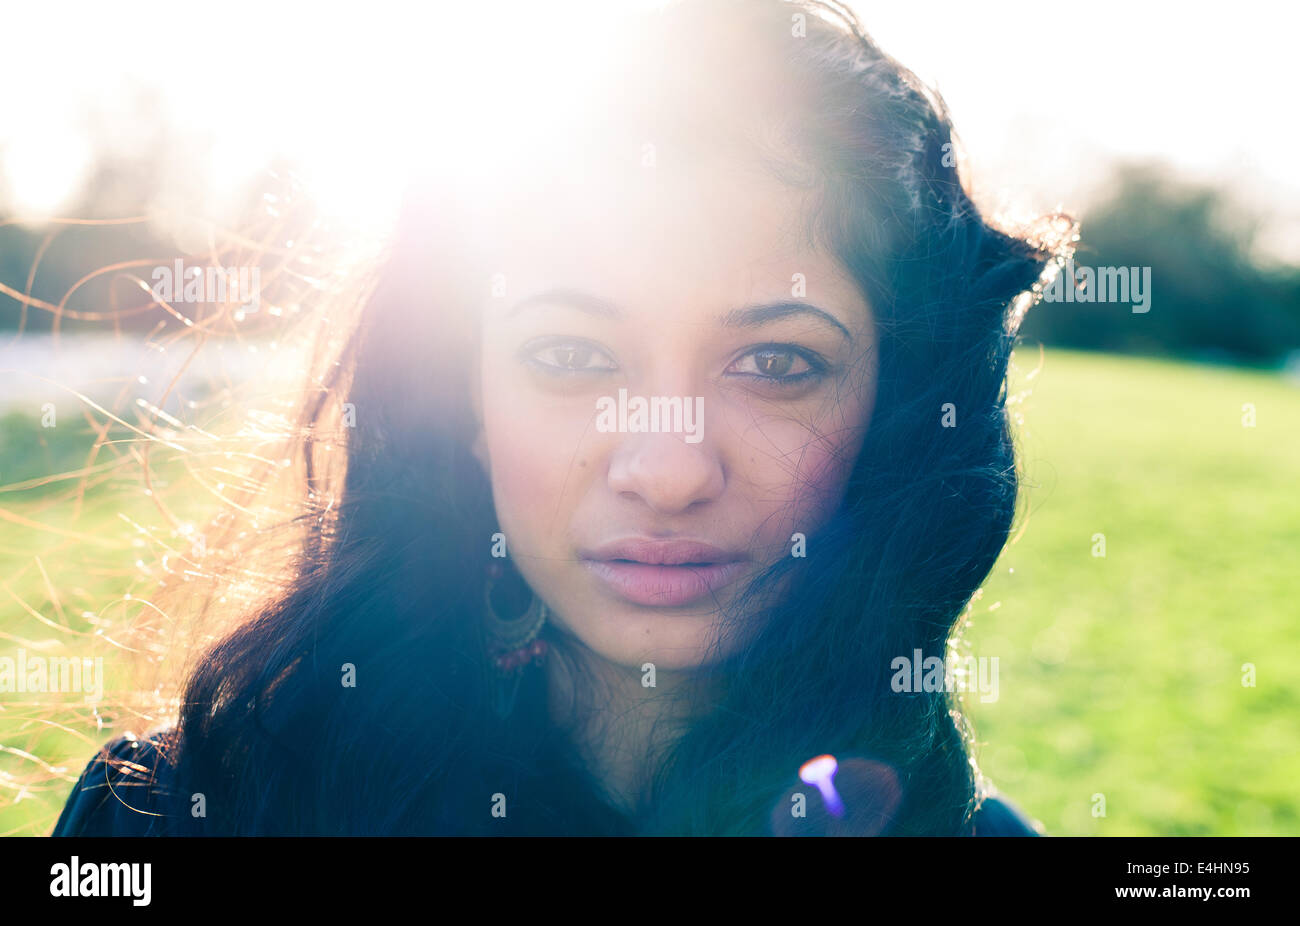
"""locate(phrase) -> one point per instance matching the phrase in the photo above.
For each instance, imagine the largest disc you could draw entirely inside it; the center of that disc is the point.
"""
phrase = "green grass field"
(68, 568)
(1120, 677)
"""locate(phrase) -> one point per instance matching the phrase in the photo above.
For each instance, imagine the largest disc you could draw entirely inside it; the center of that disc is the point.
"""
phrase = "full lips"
(662, 585)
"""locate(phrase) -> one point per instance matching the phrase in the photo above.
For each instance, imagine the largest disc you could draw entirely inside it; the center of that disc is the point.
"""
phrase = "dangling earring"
(512, 636)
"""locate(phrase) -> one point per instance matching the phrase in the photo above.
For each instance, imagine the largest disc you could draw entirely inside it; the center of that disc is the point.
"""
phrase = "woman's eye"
(570, 357)
(779, 364)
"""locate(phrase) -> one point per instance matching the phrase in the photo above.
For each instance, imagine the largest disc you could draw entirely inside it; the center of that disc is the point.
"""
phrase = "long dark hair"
(390, 580)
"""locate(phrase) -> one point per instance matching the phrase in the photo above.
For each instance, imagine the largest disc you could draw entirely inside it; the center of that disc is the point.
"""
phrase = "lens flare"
(821, 773)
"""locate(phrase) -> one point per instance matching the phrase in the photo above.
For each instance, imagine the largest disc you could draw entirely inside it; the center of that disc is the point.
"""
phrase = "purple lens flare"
(821, 772)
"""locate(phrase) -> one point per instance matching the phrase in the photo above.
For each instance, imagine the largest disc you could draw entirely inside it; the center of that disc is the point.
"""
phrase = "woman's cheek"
(532, 447)
(519, 473)
(795, 491)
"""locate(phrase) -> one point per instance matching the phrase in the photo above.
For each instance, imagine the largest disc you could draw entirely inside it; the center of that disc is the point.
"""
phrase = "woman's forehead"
(635, 227)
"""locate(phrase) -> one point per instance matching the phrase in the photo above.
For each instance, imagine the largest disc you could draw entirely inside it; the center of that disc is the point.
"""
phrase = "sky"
(1045, 97)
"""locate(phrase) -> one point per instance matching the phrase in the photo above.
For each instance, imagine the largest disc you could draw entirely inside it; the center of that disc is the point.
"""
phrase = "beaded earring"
(513, 630)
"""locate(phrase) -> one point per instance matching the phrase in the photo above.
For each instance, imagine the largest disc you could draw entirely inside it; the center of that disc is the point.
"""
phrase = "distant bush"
(1210, 295)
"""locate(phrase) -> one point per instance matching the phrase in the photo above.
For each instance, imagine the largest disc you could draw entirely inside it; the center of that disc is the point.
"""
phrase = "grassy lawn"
(1122, 676)
(1119, 676)
(80, 562)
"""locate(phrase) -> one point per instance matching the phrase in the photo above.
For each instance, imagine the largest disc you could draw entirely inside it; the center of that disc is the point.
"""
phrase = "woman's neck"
(620, 726)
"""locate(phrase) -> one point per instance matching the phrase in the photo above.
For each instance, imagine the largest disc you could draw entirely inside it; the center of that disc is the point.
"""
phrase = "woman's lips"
(664, 573)
(665, 586)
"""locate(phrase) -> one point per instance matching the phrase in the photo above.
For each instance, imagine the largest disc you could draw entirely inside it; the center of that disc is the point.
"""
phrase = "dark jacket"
(124, 788)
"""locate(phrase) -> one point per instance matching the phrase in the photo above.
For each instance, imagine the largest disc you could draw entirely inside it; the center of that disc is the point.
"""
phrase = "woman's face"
(690, 291)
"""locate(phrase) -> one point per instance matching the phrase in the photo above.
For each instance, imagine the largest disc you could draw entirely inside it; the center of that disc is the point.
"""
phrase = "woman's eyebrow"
(584, 302)
(754, 315)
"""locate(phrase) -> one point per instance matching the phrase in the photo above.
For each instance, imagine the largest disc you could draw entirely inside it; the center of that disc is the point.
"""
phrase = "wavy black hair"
(391, 576)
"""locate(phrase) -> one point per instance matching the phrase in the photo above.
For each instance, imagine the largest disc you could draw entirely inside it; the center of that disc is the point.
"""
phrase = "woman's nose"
(666, 472)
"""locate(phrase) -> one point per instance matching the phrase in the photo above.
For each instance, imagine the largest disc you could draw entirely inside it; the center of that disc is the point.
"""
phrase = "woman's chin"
(633, 636)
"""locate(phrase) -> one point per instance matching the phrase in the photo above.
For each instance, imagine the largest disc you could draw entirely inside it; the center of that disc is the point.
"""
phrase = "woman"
(660, 454)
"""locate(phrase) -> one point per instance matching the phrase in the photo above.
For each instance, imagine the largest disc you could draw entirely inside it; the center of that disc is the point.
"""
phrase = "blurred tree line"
(1212, 296)
(94, 274)
(62, 256)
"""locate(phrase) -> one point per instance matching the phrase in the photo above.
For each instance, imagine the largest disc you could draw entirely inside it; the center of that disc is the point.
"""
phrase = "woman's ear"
(479, 445)
(479, 449)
